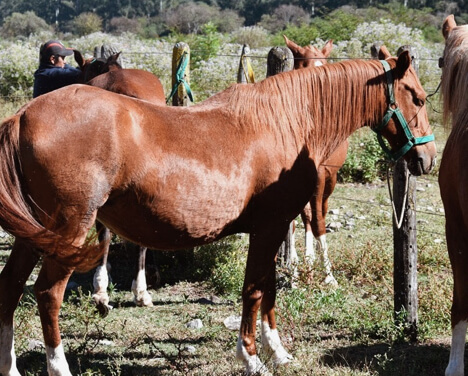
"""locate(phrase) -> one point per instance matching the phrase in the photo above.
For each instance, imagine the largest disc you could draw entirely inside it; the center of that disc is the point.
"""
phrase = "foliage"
(222, 264)
(283, 17)
(86, 23)
(365, 161)
(254, 36)
(23, 24)
(119, 25)
(207, 44)
(190, 17)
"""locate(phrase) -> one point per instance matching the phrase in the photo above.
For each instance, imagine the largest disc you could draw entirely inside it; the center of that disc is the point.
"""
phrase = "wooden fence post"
(405, 273)
(281, 59)
(181, 50)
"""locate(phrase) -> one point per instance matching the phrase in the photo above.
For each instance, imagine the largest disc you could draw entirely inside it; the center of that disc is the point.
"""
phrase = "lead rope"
(399, 221)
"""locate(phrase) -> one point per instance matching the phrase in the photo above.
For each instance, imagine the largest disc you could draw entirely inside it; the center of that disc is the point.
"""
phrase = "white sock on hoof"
(56, 362)
(272, 345)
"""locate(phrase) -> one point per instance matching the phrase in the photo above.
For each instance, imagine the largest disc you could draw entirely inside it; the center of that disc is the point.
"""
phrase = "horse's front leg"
(259, 278)
(14, 275)
(270, 337)
(50, 288)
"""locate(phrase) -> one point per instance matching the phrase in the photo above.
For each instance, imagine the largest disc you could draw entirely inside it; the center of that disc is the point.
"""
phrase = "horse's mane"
(333, 100)
(455, 79)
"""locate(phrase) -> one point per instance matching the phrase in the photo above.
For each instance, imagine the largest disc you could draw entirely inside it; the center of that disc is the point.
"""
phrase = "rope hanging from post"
(180, 74)
(247, 68)
(398, 221)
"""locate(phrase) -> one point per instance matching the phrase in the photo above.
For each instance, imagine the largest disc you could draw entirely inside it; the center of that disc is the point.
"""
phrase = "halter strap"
(394, 110)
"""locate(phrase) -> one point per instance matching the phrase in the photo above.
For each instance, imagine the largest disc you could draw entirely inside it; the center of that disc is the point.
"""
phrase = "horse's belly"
(173, 220)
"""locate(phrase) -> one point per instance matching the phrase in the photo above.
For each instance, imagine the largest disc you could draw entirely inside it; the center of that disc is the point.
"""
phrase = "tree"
(284, 16)
(190, 17)
(19, 24)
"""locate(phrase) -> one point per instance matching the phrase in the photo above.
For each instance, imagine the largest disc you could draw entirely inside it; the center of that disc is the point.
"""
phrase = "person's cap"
(54, 48)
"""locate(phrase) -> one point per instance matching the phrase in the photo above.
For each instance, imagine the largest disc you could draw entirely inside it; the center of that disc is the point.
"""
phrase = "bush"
(119, 25)
(86, 23)
(222, 264)
(254, 36)
(365, 161)
(20, 25)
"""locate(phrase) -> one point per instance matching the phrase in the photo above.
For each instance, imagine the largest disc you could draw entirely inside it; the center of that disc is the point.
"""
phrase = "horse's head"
(405, 124)
(308, 56)
(93, 67)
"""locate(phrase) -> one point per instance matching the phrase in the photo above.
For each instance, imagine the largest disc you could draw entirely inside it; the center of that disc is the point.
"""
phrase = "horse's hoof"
(103, 309)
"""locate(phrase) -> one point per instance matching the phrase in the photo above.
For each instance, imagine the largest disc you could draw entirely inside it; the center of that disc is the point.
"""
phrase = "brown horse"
(453, 181)
(314, 213)
(109, 75)
(250, 166)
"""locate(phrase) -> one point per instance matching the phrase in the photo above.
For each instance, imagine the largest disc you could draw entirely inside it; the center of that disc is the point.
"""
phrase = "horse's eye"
(419, 102)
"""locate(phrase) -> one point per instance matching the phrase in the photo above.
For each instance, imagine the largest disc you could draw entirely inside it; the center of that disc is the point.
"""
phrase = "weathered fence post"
(105, 51)
(180, 52)
(405, 273)
(281, 59)
(245, 73)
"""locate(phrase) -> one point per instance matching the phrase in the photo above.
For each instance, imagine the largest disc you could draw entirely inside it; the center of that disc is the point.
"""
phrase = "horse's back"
(134, 83)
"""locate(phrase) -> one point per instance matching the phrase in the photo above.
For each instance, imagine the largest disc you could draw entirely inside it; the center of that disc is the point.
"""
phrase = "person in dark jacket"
(53, 72)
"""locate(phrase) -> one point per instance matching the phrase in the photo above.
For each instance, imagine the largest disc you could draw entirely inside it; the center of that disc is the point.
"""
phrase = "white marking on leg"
(310, 247)
(272, 345)
(323, 246)
(7, 351)
(253, 365)
(456, 366)
(56, 362)
(141, 296)
(100, 284)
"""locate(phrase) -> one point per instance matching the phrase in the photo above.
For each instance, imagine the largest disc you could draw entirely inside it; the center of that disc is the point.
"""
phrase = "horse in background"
(453, 181)
(108, 74)
(314, 213)
(251, 167)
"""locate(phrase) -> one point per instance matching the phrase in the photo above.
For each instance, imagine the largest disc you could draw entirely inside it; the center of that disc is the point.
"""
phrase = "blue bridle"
(394, 111)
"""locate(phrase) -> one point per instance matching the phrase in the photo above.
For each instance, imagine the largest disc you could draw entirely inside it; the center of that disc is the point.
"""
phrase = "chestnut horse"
(314, 213)
(250, 166)
(109, 75)
(453, 181)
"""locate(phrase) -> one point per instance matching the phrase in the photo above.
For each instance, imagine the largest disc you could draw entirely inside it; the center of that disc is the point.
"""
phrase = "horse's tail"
(17, 216)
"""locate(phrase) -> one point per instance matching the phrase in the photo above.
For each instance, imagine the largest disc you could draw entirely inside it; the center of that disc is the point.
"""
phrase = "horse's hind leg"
(101, 275)
(141, 296)
(50, 288)
(260, 280)
(14, 275)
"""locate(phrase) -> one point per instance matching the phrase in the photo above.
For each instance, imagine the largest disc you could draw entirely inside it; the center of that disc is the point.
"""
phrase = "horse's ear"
(293, 46)
(80, 60)
(327, 48)
(403, 63)
(113, 61)
(384, 53)
(448, 25)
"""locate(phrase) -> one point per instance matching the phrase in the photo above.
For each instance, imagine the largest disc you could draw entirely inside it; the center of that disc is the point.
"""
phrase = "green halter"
(394, 110)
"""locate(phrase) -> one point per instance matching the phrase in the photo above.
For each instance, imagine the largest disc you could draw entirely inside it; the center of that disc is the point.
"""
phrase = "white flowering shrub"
(19, 59)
